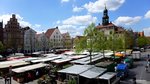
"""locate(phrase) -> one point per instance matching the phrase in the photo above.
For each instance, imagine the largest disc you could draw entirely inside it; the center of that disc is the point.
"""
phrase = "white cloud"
(62, 1)
(72, 29)
(77, 9)
(37, 26)
(58, 22)
(75, 25)
(80, 20)
(98, 6)
(147, 31)
(22, 22)
(126, 20)
(147, 15)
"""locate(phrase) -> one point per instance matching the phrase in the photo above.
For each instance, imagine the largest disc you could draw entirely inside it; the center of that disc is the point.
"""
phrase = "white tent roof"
(29, 67)
(93, 72)
(86, 60)
(107, 75)
(13, 63)
(45, 59)
(61, 60)
(76, 69)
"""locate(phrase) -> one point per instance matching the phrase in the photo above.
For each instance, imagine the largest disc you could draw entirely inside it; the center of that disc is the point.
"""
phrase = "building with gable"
(67, 41)
(13, 35)
(54, 37)
(108, 27)
(29, 40)
(42, 43)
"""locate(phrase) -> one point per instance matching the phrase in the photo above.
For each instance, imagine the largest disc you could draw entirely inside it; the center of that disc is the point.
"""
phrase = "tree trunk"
(103, 53)
(90, 57)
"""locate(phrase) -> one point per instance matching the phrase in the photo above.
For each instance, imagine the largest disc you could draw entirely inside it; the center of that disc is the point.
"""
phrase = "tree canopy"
(142, 41)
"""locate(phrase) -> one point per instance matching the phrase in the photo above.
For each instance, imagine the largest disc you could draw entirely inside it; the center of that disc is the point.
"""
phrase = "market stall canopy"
(119, 54)
(104, 64)
(76, 69)
(13, 63)
(45, 59)
(86, 60)
(93, 72)
(29, 67)
(107, 75)
(62, 60)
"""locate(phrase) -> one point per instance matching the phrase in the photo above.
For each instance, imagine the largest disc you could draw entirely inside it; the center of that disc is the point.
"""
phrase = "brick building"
(13, 35)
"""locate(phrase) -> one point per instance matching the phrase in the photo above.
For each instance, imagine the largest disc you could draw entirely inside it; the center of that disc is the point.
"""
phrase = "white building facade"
(54, 38)
(42, 42)
(29, 41)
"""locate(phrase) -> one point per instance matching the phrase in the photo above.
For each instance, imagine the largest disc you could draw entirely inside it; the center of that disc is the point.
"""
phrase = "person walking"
(148, 56)
(134, 80)
(5, 79)
(146, 67)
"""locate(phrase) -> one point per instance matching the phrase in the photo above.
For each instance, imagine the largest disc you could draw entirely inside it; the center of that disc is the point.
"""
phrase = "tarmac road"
(138, 71)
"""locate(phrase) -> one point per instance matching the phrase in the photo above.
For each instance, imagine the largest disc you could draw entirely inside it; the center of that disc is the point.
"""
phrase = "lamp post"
(113, 43)
(10, 73)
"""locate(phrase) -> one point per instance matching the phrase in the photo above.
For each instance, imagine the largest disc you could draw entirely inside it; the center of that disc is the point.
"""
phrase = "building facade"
(54, 37)
(67, 41)
(13, 35)
(29, 40)
(1, 31)
(41, 42)
(108, 27)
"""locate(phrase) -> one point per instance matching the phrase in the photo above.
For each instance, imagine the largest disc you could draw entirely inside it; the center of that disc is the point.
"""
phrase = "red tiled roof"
(49, 32)
(104, 26)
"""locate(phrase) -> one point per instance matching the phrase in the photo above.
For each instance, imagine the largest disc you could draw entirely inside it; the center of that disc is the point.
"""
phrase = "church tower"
(105, 18)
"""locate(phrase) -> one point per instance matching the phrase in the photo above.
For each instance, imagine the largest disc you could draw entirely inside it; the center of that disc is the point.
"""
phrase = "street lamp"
(10, 73)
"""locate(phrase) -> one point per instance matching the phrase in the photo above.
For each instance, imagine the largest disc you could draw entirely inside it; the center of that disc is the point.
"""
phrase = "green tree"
(142, 41)
(101, 43)
(87, 42)
(129, 36)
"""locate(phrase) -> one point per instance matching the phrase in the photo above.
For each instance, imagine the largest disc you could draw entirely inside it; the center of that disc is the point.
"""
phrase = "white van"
(136, 55)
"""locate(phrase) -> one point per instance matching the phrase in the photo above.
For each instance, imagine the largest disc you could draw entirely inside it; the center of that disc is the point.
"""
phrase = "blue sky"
(73, 16)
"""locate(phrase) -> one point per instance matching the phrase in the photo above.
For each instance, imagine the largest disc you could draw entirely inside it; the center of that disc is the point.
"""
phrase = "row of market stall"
(34, 67)
(87, 74)
(29, 67)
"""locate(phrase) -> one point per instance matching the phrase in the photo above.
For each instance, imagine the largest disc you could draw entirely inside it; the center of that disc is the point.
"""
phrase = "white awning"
(29, 67)
(62, 60)
(107, 75)
(13, 63)
(93, 72)
(86, 60)
(45, 59)
(76, 69)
